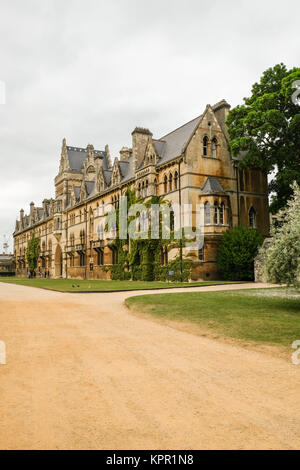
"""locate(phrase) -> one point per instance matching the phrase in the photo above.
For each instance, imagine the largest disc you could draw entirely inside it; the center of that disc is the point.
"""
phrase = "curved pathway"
(83, 373)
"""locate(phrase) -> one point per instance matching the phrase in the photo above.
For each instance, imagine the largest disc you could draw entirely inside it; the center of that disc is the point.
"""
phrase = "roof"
(127, 169)
(107, 176)
(77, 156)
(77, 192)
(89, 185)
(212, 186)
(172, 145)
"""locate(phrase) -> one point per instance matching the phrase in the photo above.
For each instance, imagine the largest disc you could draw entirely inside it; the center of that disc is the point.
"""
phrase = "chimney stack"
(140, 140)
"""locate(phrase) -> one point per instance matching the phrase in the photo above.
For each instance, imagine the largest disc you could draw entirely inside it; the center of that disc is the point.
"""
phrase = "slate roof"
(212, 186)
(127, 169)
(171, 145)
(77, 192)
(89, 186)
(107, 176)
(77, 156)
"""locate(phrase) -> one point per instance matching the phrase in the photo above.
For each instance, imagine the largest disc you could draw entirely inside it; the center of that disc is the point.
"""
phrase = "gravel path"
(83, 373)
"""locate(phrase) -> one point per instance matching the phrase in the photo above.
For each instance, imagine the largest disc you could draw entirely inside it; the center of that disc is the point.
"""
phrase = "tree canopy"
(266, 130)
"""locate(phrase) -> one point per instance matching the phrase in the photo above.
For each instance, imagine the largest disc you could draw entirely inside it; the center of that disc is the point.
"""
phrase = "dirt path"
(82, 373)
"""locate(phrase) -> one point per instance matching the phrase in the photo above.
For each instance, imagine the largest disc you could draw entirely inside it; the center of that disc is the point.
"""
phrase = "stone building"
(7, 264)
(191, 164)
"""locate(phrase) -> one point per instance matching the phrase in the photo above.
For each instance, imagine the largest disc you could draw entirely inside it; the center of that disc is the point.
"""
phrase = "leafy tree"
(235, 257)
(33, 252)
(266, 129)
(283, 252)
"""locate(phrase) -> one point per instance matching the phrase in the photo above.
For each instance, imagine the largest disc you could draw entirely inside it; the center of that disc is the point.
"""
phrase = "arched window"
(176, 180)
(165, 184)
(207, 213)
(155, 187)
(201, 254)
(91, 221)
(205, 145)
(252, 217)
(147, 184)
(214, 147)
(215, 213)
(170, 182)
(82, 236)
(172, 220)
(139, 190)
(222, 213)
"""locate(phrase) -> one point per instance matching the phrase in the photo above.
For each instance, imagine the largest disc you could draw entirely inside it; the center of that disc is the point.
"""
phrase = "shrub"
(235, 257)
(283, 253)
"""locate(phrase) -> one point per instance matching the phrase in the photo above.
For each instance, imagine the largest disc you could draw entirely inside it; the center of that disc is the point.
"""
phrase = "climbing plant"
(33, 252)
(140, 258)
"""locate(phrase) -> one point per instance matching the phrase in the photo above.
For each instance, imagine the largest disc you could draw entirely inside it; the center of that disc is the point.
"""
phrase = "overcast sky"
(91, 70)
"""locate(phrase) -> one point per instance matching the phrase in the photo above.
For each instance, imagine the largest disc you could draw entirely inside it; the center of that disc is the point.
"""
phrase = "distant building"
(7, 265)
(191, 163)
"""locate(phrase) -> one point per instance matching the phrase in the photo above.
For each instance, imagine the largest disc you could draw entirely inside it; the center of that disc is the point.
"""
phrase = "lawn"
(269, 316)
(75, 285)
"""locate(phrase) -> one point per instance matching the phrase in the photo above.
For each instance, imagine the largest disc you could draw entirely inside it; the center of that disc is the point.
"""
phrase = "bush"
(235, 257)
(147, 272)
(136, 273)
(161, 273)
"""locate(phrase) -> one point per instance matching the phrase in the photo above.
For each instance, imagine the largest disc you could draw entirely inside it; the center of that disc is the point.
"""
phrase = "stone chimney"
(125, 153)
(221, 110)
(108, 157)
(21, 217)
(140, 139)
(31, 215)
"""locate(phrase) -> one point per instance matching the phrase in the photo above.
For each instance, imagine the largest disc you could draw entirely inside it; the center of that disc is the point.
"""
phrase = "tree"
(283, 252)
(266, 130)
(235, 257)
(33, 252)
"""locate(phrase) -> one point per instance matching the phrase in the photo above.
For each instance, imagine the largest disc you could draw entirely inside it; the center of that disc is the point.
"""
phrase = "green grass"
(261, 315)
(73, 285)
